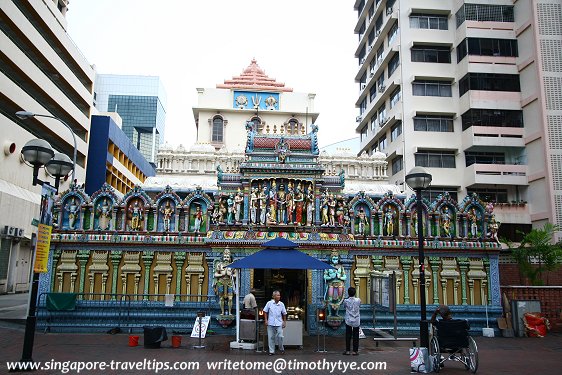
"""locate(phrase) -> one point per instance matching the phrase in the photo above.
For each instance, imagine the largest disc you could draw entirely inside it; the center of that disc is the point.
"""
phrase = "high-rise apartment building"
(141, 104)
(460, 88)
(41, 71)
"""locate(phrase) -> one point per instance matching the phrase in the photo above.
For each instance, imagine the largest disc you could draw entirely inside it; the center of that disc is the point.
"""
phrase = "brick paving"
(496, 355)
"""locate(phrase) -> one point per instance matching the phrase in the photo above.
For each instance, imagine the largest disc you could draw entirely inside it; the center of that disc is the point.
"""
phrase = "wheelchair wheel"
(471, 356)
(435, 354)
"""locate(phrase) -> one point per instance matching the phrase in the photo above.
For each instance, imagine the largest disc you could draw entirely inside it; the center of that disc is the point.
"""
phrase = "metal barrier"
(125, 311)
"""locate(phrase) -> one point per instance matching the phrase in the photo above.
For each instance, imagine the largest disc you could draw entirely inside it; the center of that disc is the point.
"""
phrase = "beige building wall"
(41, 71)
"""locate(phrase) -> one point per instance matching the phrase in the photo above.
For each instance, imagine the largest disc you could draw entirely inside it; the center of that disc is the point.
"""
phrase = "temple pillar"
(115, 260)
(179, 258)
(406, 267)
(147, 258)
(463, 266)
(83, 256)
(434, 261)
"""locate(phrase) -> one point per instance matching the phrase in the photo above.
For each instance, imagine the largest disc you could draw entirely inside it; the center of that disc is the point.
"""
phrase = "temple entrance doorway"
(292, 284)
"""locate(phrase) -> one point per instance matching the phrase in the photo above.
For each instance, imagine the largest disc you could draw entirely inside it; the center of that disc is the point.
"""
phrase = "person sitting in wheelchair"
(451, 336)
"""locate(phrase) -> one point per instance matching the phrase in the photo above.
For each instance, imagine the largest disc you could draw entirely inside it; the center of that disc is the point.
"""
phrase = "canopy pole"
(237, 301)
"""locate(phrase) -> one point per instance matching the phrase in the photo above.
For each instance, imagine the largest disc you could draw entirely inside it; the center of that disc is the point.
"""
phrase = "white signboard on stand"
(204, 325)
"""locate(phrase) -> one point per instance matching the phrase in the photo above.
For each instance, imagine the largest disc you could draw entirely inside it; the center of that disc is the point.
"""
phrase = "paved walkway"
(496, 355)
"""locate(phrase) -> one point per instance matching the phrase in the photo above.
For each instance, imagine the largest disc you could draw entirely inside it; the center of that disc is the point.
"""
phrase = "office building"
(41, 71)
(140, 102)
(112, 158)
(468, 90)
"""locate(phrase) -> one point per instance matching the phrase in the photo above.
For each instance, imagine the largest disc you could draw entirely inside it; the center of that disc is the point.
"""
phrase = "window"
(492, 117)
(378, 23)
(382, 142)
(393, 64)
(218, 129)
(435, 159)
(487, 47)
(484, 158)
(397, 164)
(372, 93)
(380, 53)
(371, 36)
(432, 123)
(363, 106)
(489, 82)
(360, 7)
(434, 192)
(392, 33)
(362, 54)
(484, 12)
(364, 133)
(380, 80)
(395, 97)
(432, 88)
(374, 122)
(257, 124)
(490, 195)
(382, 114)
(395, 131)
(432, 54)
(429, 21)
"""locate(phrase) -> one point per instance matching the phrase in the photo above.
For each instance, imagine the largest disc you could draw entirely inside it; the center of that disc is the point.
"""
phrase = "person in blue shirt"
(275, 316)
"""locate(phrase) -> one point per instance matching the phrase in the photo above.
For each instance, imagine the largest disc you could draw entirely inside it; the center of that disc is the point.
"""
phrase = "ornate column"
(83, 256)
(406, 266)
(463, 265)
(115, 260)
(67, 265)
(435, 261)
(57, 253)
(99, 266)
(488, 267)
(379, 217)
(164, 268)
(179, 258)
(147, 257)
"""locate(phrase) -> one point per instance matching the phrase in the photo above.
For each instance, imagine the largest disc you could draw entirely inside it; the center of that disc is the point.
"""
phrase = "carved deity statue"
(223, 281)
(493, 227)
(272, 203)
(254, 204)
(310, 205)
(73, 212)
(281, 205)
(335, 284)
(299, 204)
(198, 216)
(389, 222)
(104, 215)
(473, 220)
(331, 210)
(262, 198)
(167, 212)
(324, 207)
(446, 222)
(362, 222)
(238, 199)
(137, 216)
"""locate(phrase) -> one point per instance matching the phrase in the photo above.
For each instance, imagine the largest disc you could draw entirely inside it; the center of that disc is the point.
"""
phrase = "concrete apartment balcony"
(517, 212)
(491, 136)
(495, 174)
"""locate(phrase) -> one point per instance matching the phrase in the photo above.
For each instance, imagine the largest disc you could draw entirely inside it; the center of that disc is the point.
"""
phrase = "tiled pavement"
(496, 355)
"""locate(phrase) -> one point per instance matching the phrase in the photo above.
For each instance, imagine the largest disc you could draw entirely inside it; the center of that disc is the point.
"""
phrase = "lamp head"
(59, 166)
(418, 178)
(37, 152)
(24, 115)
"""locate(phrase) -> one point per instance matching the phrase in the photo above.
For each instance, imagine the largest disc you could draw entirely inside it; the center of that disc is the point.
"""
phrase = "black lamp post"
(418, 179)
(39, 153)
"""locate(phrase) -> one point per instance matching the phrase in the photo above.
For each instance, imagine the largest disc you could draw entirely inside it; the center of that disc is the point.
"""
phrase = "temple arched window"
(217, 132)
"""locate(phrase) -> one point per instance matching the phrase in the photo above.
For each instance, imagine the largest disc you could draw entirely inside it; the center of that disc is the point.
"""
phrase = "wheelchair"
(451, 342)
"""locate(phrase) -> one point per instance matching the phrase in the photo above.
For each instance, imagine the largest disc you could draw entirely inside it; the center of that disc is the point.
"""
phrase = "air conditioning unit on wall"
(9, 231)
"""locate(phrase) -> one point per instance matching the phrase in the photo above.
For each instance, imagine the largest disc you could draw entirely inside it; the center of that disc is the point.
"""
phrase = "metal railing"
(125, 311)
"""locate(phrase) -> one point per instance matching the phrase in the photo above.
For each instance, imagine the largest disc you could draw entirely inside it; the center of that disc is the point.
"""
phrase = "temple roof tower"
(254, 78)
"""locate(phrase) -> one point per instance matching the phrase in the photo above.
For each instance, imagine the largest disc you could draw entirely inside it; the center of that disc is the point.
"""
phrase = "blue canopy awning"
(280, 253)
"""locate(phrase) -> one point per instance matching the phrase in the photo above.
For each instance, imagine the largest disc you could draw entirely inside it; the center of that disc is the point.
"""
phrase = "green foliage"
(536, 253)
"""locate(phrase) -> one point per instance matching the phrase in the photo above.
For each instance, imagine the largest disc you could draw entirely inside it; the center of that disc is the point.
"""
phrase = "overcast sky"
(307, 44)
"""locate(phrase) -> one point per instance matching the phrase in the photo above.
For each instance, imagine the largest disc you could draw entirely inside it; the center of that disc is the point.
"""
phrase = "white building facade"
(42, 71)
(458, 88)
(221, 116)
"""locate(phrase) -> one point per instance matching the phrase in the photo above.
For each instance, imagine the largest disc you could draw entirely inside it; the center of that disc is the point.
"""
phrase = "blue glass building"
(140, 102)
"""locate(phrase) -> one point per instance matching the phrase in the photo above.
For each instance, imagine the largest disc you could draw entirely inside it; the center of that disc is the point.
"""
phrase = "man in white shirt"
(250, 300)
(275, 316)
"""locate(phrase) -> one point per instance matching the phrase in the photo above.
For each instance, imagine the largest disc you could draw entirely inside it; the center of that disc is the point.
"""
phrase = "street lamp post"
(39, 153)
(419, 179)
(24, 115)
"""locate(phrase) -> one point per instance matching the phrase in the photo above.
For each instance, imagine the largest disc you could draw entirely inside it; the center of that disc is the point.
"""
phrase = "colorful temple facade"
(151, 243)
